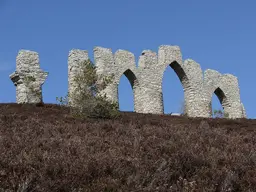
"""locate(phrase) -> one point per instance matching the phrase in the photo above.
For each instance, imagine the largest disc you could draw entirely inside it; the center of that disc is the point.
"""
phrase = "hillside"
(42, 148)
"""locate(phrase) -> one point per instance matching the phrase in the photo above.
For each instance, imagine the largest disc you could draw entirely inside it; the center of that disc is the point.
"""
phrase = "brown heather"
(43, 148)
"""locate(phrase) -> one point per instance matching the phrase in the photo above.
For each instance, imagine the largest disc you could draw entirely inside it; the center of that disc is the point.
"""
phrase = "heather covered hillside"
(43, 148)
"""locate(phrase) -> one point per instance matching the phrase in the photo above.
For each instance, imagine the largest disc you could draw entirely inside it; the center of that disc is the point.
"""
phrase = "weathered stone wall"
(75, 59)
(226, 89)
(28, 77)
(146, 80)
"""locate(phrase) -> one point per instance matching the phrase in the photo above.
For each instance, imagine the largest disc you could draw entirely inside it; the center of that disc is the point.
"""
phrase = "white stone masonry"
(28, 77)
(146, 80)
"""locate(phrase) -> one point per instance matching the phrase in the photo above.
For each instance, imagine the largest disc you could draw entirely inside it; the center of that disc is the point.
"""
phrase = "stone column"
(75, 59)
(149, 98)
(28, 77)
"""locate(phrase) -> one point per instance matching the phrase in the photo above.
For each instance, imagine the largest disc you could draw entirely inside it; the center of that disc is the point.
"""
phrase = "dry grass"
(44, 149)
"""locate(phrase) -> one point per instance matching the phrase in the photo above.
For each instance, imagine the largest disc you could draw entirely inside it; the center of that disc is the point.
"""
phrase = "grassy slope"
(44, 149)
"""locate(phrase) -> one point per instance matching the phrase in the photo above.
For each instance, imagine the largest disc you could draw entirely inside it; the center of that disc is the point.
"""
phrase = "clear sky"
(218, 34)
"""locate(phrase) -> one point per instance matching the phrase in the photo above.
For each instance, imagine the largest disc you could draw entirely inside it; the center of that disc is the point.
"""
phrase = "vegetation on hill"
(87, 99)
(44, 148)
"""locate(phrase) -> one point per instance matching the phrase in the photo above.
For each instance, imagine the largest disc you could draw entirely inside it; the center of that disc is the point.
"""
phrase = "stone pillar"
(149, 98)
(75, 59)
(28, 77)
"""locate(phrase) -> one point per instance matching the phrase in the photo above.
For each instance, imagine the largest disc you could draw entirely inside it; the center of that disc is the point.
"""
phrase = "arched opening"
(218, 104)
(174, 80)
(126, 92)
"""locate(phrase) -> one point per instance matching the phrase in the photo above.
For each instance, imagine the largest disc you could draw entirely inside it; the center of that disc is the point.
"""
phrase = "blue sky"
(218, 34)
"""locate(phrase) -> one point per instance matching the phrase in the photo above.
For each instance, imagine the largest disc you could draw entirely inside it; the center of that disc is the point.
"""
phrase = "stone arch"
(178, 69)
(229, 95)
(181, 74)
(115, 64)
(223, 99)
(229, 85)
(189, 73)
(131, 77)
(171, 56)
(134, 83)
(210, 83)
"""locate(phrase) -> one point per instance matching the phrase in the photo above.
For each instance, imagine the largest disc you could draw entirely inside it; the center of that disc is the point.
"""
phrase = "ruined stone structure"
(146, 80)
(28, 77)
